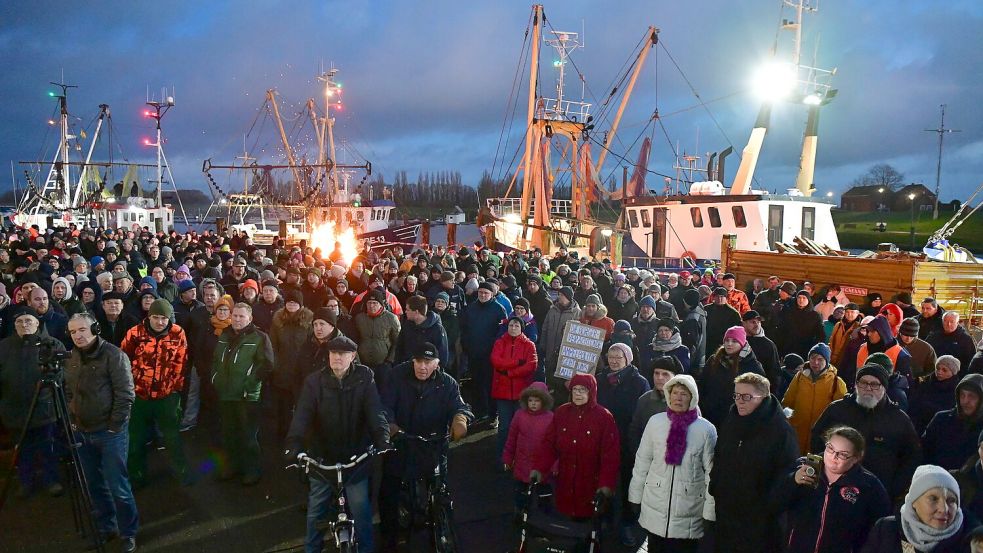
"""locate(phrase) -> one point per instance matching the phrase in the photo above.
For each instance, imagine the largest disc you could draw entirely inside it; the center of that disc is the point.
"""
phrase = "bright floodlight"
(829, 194)
(812, 100)
(606, 232)
(774, 81)
(911, 196)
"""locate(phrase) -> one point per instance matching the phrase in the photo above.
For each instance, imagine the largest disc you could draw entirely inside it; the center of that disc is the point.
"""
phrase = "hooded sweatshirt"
(952, 436)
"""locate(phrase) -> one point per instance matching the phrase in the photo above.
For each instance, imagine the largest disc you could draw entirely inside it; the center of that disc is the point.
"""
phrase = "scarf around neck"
(923, 536)
(220, 325)
(667, 345)
(676, 441)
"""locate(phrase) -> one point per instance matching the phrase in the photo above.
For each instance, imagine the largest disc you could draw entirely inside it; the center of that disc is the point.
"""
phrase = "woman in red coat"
(583, 440)
(514, 361)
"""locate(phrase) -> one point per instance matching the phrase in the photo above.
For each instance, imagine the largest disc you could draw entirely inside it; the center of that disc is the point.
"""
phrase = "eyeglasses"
(839, 455)
(745, 397)
(870, 385)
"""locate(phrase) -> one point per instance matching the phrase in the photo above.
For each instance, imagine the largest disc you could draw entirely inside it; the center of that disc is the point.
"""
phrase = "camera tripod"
(85, 525)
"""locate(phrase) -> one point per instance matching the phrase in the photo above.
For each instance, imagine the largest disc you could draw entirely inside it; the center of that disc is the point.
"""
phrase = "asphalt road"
(221, 517)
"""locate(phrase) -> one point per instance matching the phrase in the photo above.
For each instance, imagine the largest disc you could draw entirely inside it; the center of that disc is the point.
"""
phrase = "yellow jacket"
(809, 399)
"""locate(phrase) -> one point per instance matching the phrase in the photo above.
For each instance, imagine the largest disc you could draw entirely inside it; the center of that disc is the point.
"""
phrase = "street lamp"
(911, 198)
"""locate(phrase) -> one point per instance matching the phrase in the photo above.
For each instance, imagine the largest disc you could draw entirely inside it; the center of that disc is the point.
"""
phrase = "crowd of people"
(778, 417)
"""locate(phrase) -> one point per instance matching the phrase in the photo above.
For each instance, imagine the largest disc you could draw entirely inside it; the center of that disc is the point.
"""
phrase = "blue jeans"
(506, 410)
(321, 502)
(103, 456)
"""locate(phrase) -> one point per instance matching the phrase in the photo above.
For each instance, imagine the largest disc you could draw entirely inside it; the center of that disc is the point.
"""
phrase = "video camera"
(50, 358)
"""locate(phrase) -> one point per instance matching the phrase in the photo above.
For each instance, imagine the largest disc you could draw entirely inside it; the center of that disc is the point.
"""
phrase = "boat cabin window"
(697, 216)
(740, 221)
(646, 218)
(360, 215)
(714, 215)
(633, 217)
(809, 223)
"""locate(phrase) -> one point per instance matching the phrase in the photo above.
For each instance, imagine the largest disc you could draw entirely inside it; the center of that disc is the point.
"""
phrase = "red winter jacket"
(584, 441)
(514, 362)
(526, 433)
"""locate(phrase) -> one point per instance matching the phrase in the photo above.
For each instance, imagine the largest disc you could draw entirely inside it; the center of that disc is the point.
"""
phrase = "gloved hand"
(601, 497)
(459, 427)
(290, 456)
(535, 476)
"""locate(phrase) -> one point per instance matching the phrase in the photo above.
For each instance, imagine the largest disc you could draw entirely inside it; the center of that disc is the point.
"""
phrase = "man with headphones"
(100, 394)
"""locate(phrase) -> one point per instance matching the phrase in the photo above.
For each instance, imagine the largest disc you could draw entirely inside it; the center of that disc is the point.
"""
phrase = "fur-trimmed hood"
(537, 389)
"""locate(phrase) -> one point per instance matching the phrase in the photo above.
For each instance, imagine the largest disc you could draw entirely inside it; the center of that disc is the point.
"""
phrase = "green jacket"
(240, 364)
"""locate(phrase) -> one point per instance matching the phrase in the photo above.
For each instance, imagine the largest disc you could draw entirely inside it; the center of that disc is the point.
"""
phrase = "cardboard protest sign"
(580, 349)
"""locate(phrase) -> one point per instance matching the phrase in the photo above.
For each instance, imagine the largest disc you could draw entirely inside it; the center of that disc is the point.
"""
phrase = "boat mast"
(103, 113)
(271, 98)
(59, 173)
(332, 93)
(537, 18)
(653, 38)
(938, 166)
(159, 110)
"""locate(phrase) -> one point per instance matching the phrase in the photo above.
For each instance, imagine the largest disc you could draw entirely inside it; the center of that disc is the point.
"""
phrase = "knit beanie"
(909, 327)
(593, 299)
(792, 362)
(443, 296)
(738, 334)
(149, 280)
(648, 301)
(326, 315)
(521, 302)
(927, 477)
(875, 370)
(881, 359)
(161, 307)
(622, 325)
(567, 292)
(625, 350)
(822, 349)
(788, 287)
(227, 301)
(521, 322)
(692, 297)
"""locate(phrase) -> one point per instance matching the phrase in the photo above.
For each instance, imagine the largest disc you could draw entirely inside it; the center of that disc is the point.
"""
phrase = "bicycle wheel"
(444, 531)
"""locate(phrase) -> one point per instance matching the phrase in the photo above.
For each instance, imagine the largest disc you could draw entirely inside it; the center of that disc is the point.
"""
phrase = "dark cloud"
(427, 84)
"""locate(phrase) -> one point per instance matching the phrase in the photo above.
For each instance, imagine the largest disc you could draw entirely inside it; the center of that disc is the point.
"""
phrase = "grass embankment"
(857, 229)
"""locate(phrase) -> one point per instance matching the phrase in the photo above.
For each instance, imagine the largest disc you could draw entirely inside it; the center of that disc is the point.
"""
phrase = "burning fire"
(324, 237)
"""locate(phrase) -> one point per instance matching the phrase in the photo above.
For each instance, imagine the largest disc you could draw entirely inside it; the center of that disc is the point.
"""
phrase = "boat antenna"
(156, 112)
(938, 167)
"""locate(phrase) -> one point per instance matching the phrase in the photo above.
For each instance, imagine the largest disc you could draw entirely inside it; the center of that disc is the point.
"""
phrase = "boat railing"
(565, 110)
(513, 206)
(660, 262)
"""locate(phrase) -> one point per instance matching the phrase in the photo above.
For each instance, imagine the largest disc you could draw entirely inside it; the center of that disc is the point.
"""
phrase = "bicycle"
(439, 507)
(342, 529)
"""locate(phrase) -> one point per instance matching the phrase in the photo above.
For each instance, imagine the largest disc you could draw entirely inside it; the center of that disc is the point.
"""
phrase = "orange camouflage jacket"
(157, 363)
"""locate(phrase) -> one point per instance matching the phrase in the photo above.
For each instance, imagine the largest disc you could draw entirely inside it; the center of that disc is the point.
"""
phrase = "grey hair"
(951, 315)
(83, 316)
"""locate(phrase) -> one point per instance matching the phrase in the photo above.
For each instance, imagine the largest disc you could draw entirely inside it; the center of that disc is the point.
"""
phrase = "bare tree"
(881, 174)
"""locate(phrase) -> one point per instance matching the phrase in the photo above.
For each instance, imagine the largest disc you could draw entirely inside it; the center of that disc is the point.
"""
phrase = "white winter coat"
(674, 499)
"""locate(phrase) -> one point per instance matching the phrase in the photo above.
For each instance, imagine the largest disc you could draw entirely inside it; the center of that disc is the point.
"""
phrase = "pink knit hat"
(738, 334)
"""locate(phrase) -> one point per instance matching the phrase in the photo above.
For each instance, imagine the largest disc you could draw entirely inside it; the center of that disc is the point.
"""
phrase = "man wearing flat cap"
(338, 416)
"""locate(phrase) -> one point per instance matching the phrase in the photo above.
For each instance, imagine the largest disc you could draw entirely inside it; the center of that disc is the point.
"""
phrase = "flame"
(324, 237)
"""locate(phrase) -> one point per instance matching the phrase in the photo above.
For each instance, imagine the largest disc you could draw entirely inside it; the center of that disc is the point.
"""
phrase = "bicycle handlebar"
(433, 440)
(305, 461)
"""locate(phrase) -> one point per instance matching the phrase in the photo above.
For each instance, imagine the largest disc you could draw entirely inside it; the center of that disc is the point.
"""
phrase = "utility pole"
(938, 168)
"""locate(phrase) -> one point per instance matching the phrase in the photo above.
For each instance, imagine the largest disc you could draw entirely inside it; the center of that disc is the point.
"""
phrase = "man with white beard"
(895, 450)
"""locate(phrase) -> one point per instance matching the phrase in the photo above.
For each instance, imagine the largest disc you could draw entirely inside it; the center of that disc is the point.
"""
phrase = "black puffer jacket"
(337, 419)
(893, 450)
(19, 375)
(752, 455)
(99, 387)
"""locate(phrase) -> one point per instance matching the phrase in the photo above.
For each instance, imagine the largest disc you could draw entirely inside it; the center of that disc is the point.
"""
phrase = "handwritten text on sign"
(580, 349)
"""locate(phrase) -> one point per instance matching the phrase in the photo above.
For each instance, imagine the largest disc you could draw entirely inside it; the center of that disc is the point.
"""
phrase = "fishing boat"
(325, 201)
(671, 230)
(85, 192)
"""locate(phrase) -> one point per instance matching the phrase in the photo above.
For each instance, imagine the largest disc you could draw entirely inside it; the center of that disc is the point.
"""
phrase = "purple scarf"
(676, 442)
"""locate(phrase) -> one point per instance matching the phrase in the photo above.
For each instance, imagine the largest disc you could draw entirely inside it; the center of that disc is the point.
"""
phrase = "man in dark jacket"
(479, 329)
(895, 450)
(952, 436)
(185, 303)
(756, 447)
(693, 329)
(20, 372)
(421, 400)
(421, 325)
(539, 300)
(645, 325)
(338, 416)
(114, 322)
(720, 317)
(269, 302)
(455, 295)
(56, 323)
(764, 348)
(952, 339)
(99, 390)
(930, 319)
